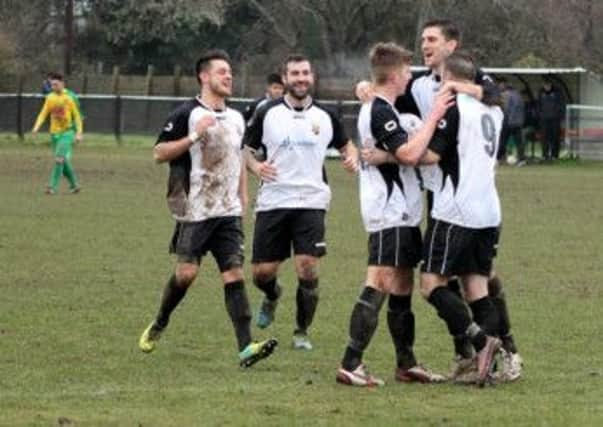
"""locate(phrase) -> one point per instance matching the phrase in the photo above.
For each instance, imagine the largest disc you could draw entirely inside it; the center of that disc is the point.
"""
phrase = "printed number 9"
(489, 132)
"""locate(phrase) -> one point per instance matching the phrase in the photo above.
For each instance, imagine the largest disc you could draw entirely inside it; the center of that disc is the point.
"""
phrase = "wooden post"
(117, 107)
(115, 80)
(20, 132)
(148, 92)
(85, 81)
(177, 78)
(149, 81)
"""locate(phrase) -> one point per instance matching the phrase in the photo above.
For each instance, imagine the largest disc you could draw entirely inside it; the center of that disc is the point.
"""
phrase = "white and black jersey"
(390, 194)
(295, 142)
(467, 141)
(204, 182)
(422, 90)
(419, 98)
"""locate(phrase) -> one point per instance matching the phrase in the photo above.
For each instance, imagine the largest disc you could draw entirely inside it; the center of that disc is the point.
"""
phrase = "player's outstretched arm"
(41, 116)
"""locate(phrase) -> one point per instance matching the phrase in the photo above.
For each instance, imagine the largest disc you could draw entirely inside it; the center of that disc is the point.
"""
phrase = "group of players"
(446, 120)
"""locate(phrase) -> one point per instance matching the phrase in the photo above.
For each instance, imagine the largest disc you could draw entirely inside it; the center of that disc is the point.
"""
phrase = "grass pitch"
(80, 278)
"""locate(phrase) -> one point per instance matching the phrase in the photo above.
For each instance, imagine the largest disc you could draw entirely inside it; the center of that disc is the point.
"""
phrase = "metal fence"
(584, 131)
(128, 115)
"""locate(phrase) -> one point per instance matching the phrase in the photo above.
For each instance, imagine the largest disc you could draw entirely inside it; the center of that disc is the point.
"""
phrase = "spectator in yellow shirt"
(64, 114)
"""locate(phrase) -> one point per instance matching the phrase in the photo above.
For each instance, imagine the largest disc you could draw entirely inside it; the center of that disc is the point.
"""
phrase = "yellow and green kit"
(65, 121)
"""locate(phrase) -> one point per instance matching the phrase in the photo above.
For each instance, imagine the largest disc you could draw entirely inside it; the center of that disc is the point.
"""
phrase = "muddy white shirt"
(204, 182)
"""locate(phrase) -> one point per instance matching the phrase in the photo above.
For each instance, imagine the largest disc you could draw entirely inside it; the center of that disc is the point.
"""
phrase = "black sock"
(495, 290)
(463, 346)
(455, 286)
(485, 315)
(307, 300)
(451, 309)
(268, 287)
(508, 343)
(237, 305)
(363, 323)
(401, 323)
(454, 312)
(173, 292)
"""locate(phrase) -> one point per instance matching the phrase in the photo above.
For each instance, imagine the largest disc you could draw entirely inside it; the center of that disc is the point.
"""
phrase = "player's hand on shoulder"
(364, 91)
(443, 101)
(448, 87)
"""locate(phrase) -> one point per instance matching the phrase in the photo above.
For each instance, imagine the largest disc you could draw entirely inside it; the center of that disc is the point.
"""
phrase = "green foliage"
(81, 275)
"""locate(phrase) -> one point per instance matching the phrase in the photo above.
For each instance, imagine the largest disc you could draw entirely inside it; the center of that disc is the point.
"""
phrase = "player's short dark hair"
(294, 57)
(274, 78)
(204, 61)
(449, 29)
(55, 76)
(385, 57)
(461, 65)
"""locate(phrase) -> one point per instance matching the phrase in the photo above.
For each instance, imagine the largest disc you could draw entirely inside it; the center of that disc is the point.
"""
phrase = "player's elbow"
(158, 155)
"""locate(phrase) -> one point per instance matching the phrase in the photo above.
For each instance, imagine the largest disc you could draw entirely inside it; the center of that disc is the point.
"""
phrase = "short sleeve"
(491, 93)
(445, 135)
(340, 138)
(386, 128)
(254, 131)
(175, 127)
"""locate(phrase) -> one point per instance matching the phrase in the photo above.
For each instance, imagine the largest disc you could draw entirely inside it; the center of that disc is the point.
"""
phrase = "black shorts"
(279, 229)
(450, 250)
(395, 247)
(222, 236)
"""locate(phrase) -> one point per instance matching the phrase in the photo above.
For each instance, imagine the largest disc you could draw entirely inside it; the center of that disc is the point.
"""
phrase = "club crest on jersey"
(169, 127)
(315, 128)
(442, 124)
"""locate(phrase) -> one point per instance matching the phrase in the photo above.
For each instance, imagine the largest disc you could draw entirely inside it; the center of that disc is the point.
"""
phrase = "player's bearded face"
(299, 79)
(219, 78)
(435, 47)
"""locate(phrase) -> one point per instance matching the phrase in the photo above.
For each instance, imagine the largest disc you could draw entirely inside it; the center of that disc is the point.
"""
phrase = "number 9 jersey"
(467, 141)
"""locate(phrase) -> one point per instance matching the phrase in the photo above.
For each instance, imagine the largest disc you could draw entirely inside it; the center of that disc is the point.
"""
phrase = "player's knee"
(186, 274)
(231, 262)
(59, 159)
(308, 269)
(262, 274)
(234, 274)
(426, 289)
